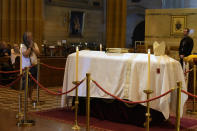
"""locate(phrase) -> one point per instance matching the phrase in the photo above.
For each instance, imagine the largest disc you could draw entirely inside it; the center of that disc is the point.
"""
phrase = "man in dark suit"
(186, 45)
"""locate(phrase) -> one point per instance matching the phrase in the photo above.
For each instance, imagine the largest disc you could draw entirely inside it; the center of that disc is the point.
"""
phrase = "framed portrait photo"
(76, 23)
(178, 23)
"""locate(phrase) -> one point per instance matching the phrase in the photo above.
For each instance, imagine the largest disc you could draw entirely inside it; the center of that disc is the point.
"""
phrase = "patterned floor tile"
(9, 99)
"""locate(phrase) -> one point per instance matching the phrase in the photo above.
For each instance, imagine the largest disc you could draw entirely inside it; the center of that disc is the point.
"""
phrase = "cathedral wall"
(159, 26)
(57, 18)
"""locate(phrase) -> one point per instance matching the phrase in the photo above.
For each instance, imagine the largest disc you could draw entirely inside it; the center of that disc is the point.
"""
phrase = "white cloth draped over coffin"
(125, 76)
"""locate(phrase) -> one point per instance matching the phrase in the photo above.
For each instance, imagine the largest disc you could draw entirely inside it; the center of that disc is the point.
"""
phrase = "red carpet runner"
(67, 117)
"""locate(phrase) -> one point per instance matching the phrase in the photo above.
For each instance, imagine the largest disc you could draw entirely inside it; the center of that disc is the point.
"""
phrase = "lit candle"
(77, 62)
(148, 83)
(21, 59)
(100, 47)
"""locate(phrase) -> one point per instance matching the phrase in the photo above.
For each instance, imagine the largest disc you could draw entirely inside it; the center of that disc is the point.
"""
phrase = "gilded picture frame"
(178, 23)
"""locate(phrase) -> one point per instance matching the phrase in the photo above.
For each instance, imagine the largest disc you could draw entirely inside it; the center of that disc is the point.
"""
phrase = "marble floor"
(9, 109)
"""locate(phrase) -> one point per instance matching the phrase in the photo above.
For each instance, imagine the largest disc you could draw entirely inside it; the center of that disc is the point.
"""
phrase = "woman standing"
(30, 51)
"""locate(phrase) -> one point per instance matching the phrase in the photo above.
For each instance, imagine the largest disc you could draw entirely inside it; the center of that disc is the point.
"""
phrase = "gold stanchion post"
(194, 99)
(38, 102)
(148, 92)
(178, 105)
(21, 71)
(88, 102)
(26, 122)
(20, 115)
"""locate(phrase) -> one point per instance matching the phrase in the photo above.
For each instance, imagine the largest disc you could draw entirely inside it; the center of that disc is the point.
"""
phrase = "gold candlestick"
(178, 105)
(76, 126)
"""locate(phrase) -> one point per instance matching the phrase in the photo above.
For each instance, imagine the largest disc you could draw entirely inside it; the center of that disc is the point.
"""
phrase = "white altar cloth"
(125, 76)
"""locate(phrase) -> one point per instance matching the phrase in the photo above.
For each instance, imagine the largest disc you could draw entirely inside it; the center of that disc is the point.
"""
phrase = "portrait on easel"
(76, 23)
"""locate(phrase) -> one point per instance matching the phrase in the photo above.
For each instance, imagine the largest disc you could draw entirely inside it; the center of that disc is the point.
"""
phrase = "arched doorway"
(138, 33)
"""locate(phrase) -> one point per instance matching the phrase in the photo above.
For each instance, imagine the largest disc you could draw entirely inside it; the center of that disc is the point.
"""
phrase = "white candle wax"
(100, 47)
(148, 83)
(77, 62)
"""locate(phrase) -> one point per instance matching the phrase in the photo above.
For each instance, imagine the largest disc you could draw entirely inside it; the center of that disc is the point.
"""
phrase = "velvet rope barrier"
(130, 102)
(12, 83)
(190, 94)
(15, 71)
(9, 79)
(9, 72)
(52, 92)
(188, 71)
(52, 67)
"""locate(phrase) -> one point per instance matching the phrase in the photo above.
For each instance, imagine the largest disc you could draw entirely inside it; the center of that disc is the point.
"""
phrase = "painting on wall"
(178, 23)
(76, 23)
